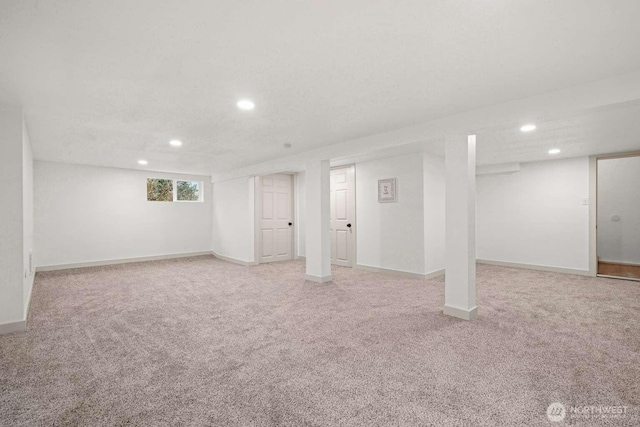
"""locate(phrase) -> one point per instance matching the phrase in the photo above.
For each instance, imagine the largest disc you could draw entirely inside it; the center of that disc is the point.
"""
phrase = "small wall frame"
(387, 191)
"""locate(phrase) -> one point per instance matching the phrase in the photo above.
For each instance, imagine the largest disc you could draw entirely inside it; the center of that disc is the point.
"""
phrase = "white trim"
(535, 267)
(593, 215)
(434, 274)
(399, 273)
(593, 209)
(255, 240)
(7, 328)
(317, 279)
(606, 276)
(118, 261)
(28, 304)
(631, 264)
(460, 313)
(294, 214)
(257, 232)
(234, 260)
(20, 325)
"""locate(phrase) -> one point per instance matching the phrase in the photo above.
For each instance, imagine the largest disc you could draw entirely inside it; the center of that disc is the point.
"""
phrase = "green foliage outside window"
(159, 190)
(188, 190)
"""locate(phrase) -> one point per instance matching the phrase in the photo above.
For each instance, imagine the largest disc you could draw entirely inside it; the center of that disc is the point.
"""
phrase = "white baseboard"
(461, 313)
(234, 260)
(604, 261)
(118, 261)
(434, 274)
(606, 276)
(318, 279)
(535, 267)
(20, 325)
(399, 273)
(7, 328)
(27, 306)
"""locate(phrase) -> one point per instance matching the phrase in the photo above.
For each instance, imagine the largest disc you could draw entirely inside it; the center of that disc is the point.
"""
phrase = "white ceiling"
(110, 82)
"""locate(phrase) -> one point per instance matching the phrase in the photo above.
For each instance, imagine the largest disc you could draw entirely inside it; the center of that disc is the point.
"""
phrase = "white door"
(276, 225)
(343, 209)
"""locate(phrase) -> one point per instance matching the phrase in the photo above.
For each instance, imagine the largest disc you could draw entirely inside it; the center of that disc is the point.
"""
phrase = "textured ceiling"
(110, 82)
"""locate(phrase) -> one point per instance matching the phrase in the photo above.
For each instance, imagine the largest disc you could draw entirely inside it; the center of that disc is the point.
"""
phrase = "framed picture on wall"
(387, 190)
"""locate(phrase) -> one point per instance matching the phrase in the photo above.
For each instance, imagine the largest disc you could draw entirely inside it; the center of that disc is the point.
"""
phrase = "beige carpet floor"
(199, 341)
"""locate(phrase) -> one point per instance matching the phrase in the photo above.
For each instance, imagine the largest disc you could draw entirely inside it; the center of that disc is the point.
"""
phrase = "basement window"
(187, 191)
(173, 190)
(159, 190)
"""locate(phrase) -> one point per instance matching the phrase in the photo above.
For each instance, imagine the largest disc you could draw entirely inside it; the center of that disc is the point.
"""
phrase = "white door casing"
(276, 218)
(343, 208)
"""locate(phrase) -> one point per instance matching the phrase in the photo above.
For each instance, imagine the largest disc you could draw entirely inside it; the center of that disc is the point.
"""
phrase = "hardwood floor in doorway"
(631, 271)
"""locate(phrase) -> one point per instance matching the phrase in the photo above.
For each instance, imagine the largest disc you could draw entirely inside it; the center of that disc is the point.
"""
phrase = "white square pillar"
(318, 237)
(460, 226)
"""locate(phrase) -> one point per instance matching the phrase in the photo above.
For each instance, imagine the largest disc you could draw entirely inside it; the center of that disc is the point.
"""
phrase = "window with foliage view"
(172, 190)
(159, 190)
(188, 191)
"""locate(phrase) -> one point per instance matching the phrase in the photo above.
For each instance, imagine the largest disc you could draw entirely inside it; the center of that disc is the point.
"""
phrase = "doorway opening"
(343, 216)
(618, 217)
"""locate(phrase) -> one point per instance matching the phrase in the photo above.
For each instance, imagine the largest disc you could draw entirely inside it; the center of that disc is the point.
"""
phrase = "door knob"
(290, 224)
(349, 225)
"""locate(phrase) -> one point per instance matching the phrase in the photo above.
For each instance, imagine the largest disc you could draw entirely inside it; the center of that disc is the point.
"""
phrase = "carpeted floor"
(199, 341)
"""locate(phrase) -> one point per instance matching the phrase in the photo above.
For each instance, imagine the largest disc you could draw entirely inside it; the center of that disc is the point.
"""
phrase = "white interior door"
(276, 224)
(343, 209)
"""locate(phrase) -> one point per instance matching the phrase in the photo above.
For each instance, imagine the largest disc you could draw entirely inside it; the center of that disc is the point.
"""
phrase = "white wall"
(536, 216)
(11, 216)
(89, 214)
(618, 194)
(391, 235)
(300, 224)
(434, 213)
(27, 216)
(233, 219)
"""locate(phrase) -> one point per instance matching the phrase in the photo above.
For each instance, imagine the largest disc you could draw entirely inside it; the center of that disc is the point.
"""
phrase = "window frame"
(174, 182)
(173, 190)
(200, 192)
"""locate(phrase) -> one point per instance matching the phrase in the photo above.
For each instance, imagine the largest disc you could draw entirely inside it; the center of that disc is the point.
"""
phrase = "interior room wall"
(536, 216)
(233, 219)
(391, 235)
(300, 214)
(27, 217)
(434, 213)
(11, 217)
(618, 180)
(87, 214)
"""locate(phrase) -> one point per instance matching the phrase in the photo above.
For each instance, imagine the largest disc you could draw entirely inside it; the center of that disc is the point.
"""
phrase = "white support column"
(318, 237)
(460, 275)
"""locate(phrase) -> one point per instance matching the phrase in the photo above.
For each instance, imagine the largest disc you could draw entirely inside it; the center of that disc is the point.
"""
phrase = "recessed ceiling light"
(245, 104)
(175, 143)
(528, 128)
(142, 162)
(554, 151)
